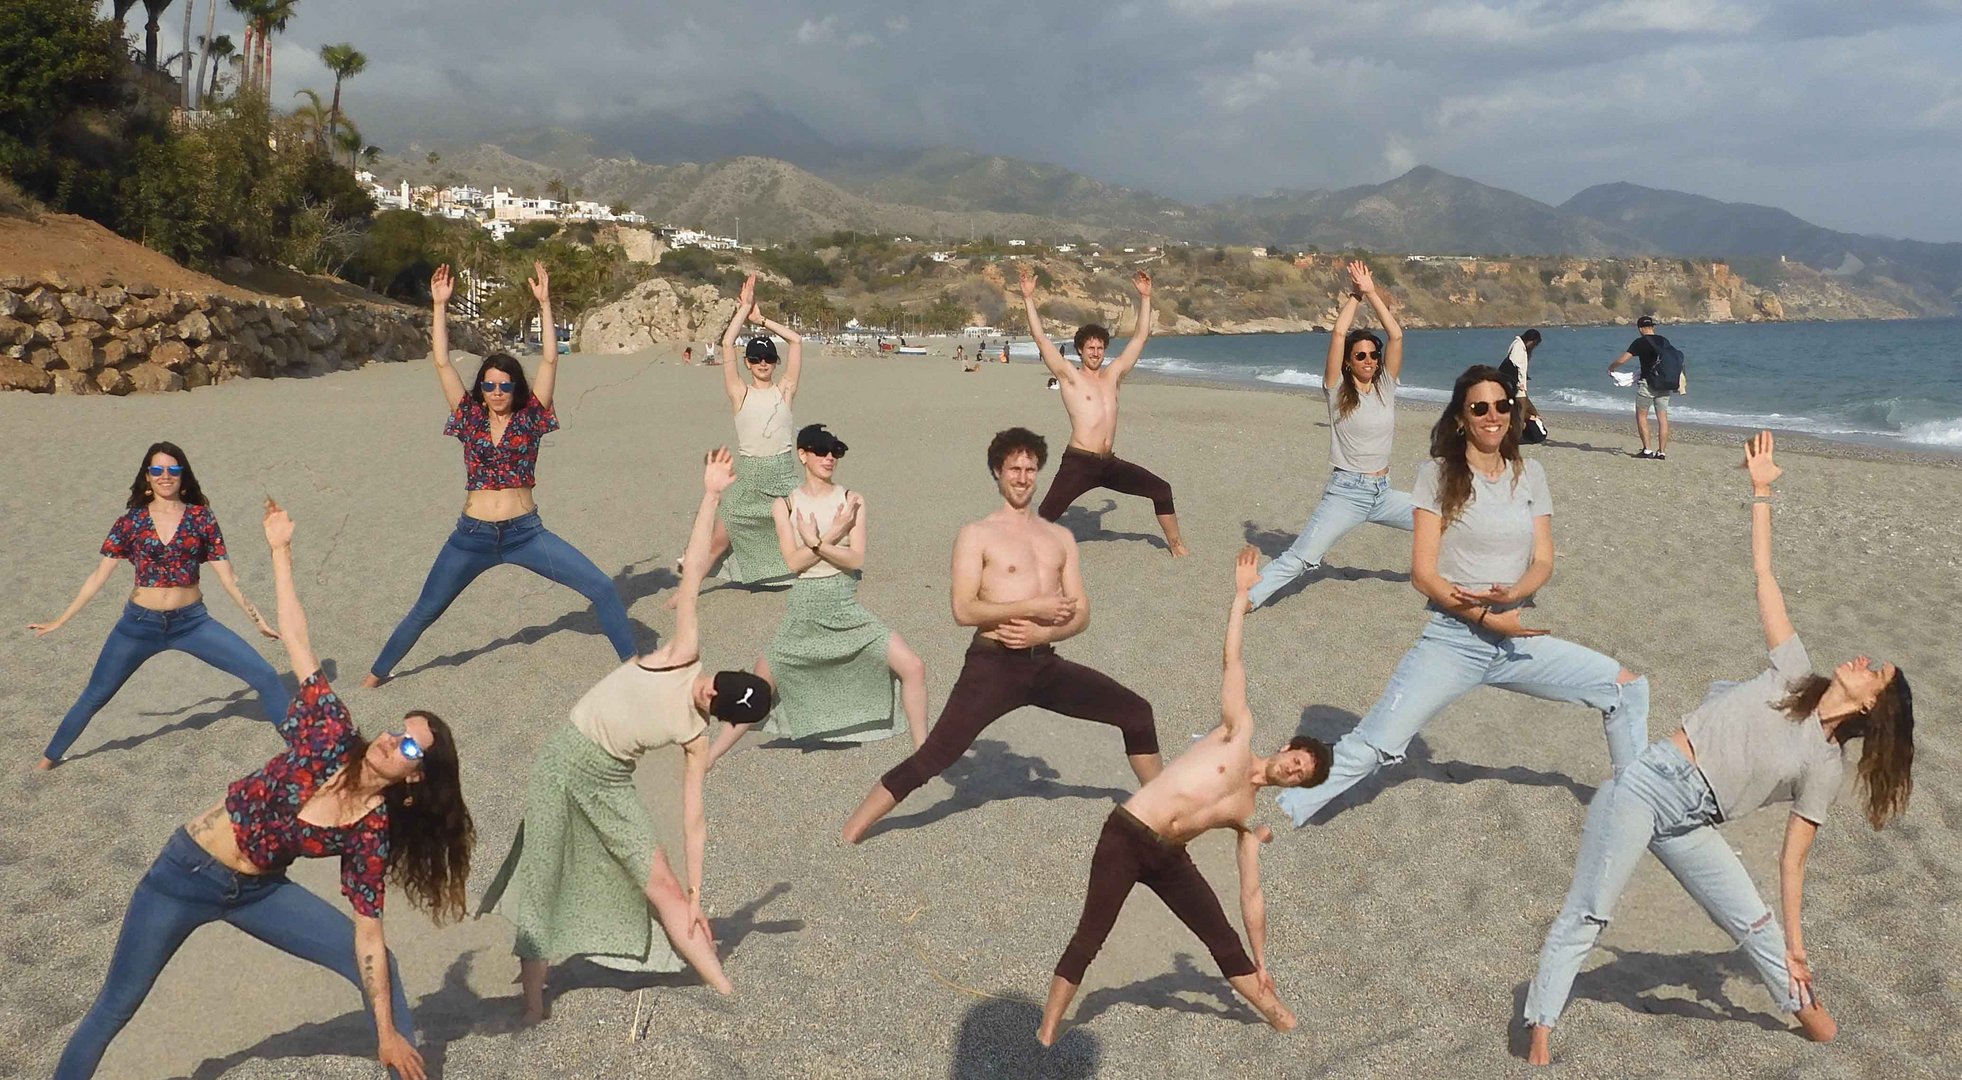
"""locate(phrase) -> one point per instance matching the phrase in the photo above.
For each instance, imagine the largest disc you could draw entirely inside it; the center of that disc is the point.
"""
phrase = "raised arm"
(1338, 345)
(1799, 834)
(441, 286)
(1777, 624)
(90, 586)
(732, 378)
(226, 578)
(1365, 284)
(965, 592)
(718, 472)
(371, 956)
(292, 618)
(548, 368)
(1134, 348)
(1234, 713)
(793, 357)
(1051, 358)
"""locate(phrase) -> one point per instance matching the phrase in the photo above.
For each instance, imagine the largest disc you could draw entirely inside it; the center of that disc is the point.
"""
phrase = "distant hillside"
(1683, 224)
(963, 182)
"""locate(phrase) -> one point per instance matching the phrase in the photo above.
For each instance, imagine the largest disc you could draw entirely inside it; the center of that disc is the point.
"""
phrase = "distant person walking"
(1359, 382)
(1519, 355)
(1647, 350)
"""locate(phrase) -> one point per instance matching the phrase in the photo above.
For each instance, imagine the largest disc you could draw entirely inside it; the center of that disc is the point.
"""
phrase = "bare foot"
(371, 680)
(46, 764)
(1046, 1034)
(1178, 550)
(1540, 1050)
(535, 1016)
(1816, 1024)
(1283, 1019)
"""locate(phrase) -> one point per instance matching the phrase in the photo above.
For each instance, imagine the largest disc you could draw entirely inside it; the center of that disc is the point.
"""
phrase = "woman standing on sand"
(165, 534)
(389, 807)
(501, 421)
(1779, 737)
(1483, 547)
(832, 663)
(765, 469)
(1359, 382)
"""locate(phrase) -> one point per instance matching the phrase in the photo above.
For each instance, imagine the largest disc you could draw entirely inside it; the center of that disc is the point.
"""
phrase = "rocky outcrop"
(654, 312)
(56, 337)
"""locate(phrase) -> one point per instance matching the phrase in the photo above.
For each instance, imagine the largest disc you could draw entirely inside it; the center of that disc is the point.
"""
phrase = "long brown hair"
(1886, 734)
(1347, 397)
(430, 834)
(189, 493)
(1449, 439)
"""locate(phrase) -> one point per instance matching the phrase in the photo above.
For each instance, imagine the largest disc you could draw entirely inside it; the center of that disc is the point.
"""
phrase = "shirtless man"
(1017, 582)
(1210, 786)
(1090, 397)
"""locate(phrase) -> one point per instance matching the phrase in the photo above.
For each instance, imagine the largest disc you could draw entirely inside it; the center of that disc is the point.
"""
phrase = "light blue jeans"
(1351, 499)
(1663, 803)
(1453, 658)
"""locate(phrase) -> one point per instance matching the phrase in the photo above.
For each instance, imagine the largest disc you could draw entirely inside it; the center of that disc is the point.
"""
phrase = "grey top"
(1491, 543)
(1360, 442)
(1753, 754)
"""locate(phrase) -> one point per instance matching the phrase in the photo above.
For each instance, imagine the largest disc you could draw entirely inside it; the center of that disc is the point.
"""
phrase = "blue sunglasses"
(410, 748)
(162, 470)
(497, 387)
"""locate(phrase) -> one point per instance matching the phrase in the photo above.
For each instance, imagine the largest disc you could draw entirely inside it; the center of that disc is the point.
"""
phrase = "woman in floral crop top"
(500, 419)
(165, 534)
(390, 807)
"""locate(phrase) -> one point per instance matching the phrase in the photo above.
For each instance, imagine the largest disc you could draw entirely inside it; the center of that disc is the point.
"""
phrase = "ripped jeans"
(1451, 659)
(1663, 803)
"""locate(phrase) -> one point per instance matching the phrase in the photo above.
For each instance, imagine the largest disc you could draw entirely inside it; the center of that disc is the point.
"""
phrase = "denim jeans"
(141, 634)
(1451, 659)
(476, 546)
(1663, 803)
(1350, 500)
(185, 889)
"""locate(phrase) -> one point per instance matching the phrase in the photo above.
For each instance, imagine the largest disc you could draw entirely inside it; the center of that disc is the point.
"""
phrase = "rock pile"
(655, 312)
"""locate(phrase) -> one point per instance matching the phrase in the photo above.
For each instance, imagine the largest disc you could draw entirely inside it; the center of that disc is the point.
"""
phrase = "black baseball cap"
(1646, 320)
(818, 439)
(760, 347)
(741, 697)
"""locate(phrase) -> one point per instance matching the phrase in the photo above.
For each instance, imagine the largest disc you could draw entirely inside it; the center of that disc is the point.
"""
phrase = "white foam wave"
(1291, 377)
(1172, 365)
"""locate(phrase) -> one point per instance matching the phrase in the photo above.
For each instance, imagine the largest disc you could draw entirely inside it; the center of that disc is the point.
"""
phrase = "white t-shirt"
(1753, 754)
(1519, 356)
(1360, 442)
(1491, 543)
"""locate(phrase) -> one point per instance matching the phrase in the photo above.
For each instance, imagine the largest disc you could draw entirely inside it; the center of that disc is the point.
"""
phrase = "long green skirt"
(829, 664)
(573, 883)
(754, 554)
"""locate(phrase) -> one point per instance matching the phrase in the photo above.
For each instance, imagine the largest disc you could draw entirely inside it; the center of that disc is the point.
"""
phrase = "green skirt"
(754, 554)
(573, 883)
(829, 664)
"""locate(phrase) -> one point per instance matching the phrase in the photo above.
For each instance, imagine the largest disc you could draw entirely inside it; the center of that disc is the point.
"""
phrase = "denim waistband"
(1379, 481)
(187, 856)
(134, 610)
(528, 519)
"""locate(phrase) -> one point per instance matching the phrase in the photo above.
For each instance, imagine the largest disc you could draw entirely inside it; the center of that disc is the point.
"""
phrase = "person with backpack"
(1661, 376)
(1532, 429)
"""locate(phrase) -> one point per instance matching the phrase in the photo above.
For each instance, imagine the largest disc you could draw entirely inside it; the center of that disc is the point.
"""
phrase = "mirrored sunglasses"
(410, 748)
(166, 470)
(497, 387)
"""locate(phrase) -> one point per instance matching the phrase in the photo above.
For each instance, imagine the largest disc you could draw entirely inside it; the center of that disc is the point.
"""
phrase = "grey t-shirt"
(1491, 543)
(1360, 442)
(1753, 754)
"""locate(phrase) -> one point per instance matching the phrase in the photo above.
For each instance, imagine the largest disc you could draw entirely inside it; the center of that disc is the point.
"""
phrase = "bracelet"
(1756, 500)
(1487, 610)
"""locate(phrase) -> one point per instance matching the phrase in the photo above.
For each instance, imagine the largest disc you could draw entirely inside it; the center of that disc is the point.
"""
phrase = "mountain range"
(955, 194)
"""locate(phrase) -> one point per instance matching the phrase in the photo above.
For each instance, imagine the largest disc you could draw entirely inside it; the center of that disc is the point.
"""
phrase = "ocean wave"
(1291, 377)
(1172, 365)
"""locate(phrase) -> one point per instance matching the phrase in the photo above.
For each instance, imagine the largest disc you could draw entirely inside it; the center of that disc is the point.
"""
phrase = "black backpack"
(1666, 374)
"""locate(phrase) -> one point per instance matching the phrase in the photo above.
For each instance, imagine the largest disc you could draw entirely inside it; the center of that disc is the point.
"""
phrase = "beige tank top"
(636, 709)
(763, 424)
(823, 508)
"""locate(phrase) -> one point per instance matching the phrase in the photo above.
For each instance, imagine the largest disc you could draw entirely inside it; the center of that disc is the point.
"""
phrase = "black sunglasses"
(1480, 408)
(834, 450)
(1366, 356)
(763, 360)
(498, 387)
(171, 470)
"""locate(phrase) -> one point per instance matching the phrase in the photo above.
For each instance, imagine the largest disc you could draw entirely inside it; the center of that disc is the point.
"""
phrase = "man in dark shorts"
(1210, 786)
(1017, 581)
(1090, 398)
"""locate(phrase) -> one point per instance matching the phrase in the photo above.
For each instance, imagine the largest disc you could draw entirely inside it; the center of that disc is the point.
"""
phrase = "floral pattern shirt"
(265, 807)
(160, 565)
(492, 466)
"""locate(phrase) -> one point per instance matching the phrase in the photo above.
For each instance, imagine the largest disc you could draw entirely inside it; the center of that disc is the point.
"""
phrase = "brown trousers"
(1129, 852)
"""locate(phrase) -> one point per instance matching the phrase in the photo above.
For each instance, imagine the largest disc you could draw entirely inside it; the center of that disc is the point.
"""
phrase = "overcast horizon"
(1848, 117)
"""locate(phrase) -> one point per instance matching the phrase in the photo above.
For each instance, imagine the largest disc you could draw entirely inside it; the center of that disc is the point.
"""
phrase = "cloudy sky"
(1847, 114)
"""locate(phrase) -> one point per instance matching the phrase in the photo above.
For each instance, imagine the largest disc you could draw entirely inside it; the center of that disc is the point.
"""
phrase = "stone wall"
(59, 338)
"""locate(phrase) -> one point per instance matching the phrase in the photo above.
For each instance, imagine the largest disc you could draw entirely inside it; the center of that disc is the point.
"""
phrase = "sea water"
(1895, 383)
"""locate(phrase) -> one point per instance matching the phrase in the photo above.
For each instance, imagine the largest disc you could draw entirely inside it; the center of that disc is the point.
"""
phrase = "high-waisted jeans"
(1663, 803)
(1351, 499)
(1451, 659)
(142, 633)
(476, 546)
(185, 889)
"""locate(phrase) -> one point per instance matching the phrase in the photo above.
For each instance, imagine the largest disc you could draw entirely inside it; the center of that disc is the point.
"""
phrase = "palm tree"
(273, 17)
(155, 9)
(213, 49)
(184, 61)
(204, 50)
(348, 141)
(345, 62)
(370, 155)
(314, 117)
(249, 11)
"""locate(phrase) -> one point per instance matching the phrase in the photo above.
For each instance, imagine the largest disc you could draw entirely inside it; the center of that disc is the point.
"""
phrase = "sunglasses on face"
(766, 360)
(832, 452)
(410, 748)
(1480, 408)
(1366, 356)
(166, 470)
(497, 387)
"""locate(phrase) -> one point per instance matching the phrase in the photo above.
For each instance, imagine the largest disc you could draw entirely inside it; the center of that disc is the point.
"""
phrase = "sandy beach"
(1402, 928)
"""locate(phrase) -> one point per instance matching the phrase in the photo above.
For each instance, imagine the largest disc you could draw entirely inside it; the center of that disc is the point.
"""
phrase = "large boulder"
(83, 307)
(15, 375)
(152, 378)
(79, 354)
(171, 355)
(652, 313)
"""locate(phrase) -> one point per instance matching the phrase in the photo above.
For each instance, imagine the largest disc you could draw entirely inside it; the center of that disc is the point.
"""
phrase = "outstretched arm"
(548, 368)
(441, 286)
(718, 472)
(1253, 904)
(223, 568)
(1338, 346)
(371, 956)
(1134, 348)
(1234, 712)
(793, 358)
(90, 586)
(1051, 358)
(1365, 284)
(732, 379)
(292, 618)
(1799, 834)
(1620, 360)
(1777, 624)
